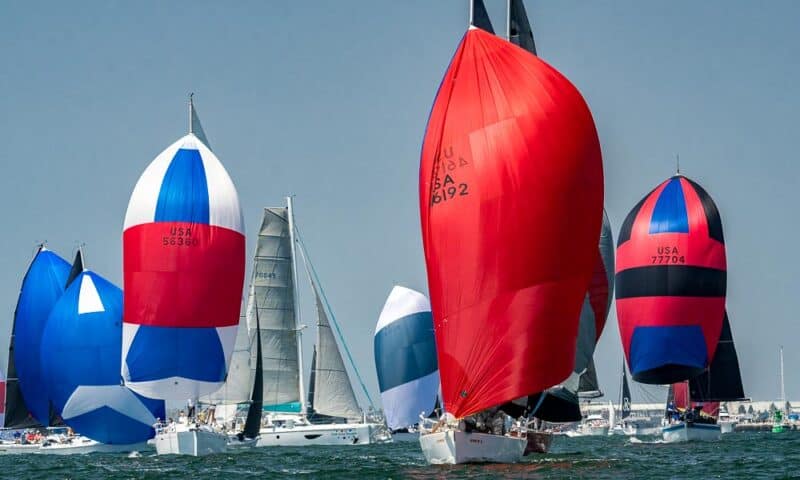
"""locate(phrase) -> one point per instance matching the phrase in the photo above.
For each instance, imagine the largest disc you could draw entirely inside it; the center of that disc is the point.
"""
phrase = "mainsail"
(671, 282)
(519, 28)
(405, 358)
(42, 286)
(272, 293)
(588, 386)
(479, 17)
(722, 380)
(625, 396)
(510, 149)
(81, 364)
(183, 270)
(333, 392)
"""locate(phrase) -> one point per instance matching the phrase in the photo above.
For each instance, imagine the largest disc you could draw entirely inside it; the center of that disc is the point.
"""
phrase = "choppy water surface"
(741, 455)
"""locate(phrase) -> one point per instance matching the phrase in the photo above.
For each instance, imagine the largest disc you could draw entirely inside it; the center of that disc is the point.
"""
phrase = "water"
(740, 455)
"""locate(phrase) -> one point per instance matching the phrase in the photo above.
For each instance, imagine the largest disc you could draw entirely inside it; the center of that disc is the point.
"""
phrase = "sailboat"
(781, 415)
(671, 284)
(183, 269)
(510, 151)
(81, 344)
(405, 359)
(274, 297)
(42, 286)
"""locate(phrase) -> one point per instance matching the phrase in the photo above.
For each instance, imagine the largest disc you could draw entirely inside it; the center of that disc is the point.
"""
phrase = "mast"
(290, 214)
(508, 20)
(783, 390)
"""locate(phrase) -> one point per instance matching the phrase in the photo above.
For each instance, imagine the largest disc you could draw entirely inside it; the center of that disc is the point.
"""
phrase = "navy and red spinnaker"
(511, 198)
(671, 282)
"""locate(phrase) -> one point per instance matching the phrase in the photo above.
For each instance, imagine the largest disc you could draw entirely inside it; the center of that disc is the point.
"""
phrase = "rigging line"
(315, 278)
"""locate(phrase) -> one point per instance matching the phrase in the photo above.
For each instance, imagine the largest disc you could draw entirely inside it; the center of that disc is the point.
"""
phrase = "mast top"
(191, 113)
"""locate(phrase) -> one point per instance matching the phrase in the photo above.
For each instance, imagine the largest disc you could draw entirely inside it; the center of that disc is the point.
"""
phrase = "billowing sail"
(81, 364)
(561, 402)
(272, 291)
(510, 178)
(333, 393)
(594, 313)
(670, 283)
(519, 28)
(42, 286)
(721, 381)
(405, 358)
(480, 17)
(625, 399)
(183, 249)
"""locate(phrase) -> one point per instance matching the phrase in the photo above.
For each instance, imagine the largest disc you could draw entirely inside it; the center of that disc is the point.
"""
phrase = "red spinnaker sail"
(671, 282)
(511, 198)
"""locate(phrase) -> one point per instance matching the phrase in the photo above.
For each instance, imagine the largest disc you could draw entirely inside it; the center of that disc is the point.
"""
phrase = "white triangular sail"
(333, 392)
(272, 292)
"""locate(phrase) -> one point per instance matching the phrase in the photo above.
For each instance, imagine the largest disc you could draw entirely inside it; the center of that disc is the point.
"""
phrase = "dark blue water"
(739, 455)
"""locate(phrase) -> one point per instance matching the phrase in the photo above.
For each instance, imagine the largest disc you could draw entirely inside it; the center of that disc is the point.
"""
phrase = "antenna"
(191, 111)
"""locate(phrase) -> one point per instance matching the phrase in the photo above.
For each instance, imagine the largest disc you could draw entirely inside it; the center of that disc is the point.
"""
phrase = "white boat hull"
(454, 447)
(690, 432)
(18, 448)
(76, 446)
(316, 434)
(190, 442)
(85, 445)
(726, 427)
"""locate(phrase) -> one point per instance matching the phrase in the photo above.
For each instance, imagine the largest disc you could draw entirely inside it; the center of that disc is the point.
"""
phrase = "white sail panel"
(239, 380)
(272, 292)
(333, 393)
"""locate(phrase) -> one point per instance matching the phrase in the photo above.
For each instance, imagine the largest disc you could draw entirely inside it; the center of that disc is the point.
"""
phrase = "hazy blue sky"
(328, 101)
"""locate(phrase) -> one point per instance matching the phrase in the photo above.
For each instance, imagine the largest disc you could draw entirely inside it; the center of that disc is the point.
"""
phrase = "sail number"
(448, 190)
(180, 237)
(667, 255)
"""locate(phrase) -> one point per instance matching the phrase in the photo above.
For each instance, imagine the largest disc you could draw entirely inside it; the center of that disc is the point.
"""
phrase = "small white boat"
(301, 432)
(455, 447)
(691, 432)
(82, 445)
(11, 448)
(194, 440)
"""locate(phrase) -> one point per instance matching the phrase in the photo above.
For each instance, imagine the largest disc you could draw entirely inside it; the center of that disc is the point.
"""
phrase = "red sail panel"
(681, 391)
(511, 195)
(671, 281)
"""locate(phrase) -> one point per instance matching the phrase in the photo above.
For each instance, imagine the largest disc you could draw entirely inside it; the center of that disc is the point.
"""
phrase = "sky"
(328, 101)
